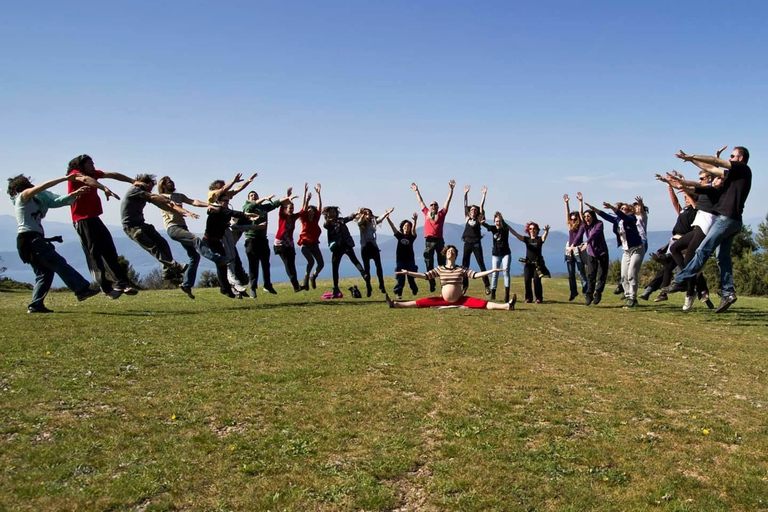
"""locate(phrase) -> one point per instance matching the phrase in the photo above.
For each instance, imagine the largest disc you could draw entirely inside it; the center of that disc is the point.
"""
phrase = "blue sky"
(366, 97)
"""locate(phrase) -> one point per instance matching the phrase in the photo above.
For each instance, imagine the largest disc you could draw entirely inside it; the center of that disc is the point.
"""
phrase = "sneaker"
(87, 294)
(646, 294)
(705, 299)
(725, 303)
(588, 299)
(513, 302)
(538, 301)
(229, 294)
(270, 289)
(313, 280)
(688, 302)
(114, 294)
(598, 297)
(675, 287)
(39, 309)
(528, 301)
(487, 290)
(127, 290)
(388, 301)
(253, 294)
(188, 291)
(573, 296)
(243, 295)
(661, 297)
(618, 290)
(630, 303)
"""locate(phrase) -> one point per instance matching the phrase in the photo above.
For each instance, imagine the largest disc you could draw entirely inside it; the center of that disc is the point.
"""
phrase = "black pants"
(477, 250)
(221, 266)
(432, 247)
(257, 252)
(532, 283)
(371, 252)
(312, 253)
(288, 255)
(598, 273)
(100, 253)
(339, 250)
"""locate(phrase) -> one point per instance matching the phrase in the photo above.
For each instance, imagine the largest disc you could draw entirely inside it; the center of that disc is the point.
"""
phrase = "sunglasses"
(734, 156)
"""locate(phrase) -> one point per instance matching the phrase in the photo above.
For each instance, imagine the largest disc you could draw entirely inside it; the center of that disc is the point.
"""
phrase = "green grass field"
(288, 402)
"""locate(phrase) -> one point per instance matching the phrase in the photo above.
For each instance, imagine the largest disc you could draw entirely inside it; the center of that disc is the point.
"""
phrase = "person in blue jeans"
(31, 204)
(729, 209)
(575, 259)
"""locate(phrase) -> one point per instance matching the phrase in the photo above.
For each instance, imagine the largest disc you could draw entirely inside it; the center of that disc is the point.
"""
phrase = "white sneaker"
(688, 302)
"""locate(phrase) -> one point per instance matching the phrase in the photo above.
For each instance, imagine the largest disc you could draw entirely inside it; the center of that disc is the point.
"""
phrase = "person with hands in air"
(32, 204)
(575, 259)
(434, 220)
(474, 216)
(597, 249)
(534, 267)
(500, 253)
(367, 222)
(405, 259)
(97, 242)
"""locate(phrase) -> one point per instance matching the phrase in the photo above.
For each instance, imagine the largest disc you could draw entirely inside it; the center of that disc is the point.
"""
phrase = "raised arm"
(28, 194)
(567, 208)
(466, 201)
(305, 198)
(546, 234)
(672, 194)
(451, 184)
(237, 179)
(515, 233)
(482, 201)
(713, 161)
(580, 197)
(319, 199)
(242, 187)
(384, 215)
(392, 225)
(119, 177)
(415, 188)
(415, 218)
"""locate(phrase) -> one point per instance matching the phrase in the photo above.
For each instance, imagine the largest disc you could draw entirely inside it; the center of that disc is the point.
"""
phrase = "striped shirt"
(453, 275)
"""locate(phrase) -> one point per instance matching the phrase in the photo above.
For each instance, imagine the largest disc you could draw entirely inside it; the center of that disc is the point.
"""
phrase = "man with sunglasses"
(434, 220)
(737, 183)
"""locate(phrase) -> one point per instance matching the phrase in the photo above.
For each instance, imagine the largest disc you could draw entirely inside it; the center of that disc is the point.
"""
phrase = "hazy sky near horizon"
(366, 97)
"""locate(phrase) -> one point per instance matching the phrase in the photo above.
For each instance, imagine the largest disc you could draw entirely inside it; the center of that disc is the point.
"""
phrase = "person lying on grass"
(451, 278)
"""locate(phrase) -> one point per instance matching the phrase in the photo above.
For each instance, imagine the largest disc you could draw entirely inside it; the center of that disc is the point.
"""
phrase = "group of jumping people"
(710, 219)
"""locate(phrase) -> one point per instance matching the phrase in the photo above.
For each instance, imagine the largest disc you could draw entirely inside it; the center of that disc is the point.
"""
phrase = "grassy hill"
(288, 402)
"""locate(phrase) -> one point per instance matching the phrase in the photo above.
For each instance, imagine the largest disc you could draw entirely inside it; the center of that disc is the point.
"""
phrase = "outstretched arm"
(119, 177)
(28, 194)
(419, 275)
(451, 184)
(415, 188)
(484, 273)
(466, 201)
(482, 201)
(711, 160)
(245, 184)
(415, 218)
(97, 184)
(515, 233)
(385, 215)
(392, 225)
(546, 234)
(319, 199)
(237, 179)
(672, 195)
(305, 198)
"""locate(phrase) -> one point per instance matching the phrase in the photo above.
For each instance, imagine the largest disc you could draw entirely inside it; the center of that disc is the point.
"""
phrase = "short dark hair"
(216, 185)
(403, 223)
(18, 184)
(76, 164)
(744, 152)
(147, 179)
(445, 249)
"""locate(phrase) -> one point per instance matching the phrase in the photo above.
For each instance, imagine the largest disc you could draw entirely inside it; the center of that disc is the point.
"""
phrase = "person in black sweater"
(534, 267)
(501, 252)
(340, 242)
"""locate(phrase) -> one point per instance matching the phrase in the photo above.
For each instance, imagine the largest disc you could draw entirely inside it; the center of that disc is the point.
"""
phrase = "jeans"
(191, 244)
(721, 234)
(503, 263)
(631, 261)
(46, 262)
(574, 263)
